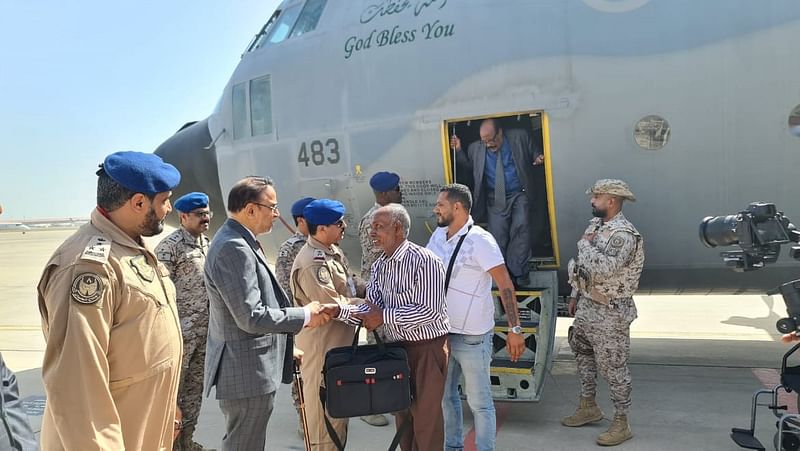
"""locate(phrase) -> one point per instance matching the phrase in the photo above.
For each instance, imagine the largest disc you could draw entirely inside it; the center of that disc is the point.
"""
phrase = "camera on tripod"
(759, 231)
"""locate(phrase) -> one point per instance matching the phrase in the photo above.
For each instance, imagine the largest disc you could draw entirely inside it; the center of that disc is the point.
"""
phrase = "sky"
(85, 78)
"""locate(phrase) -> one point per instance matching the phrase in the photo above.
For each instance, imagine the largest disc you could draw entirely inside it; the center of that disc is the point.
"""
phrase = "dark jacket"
(522, 151)
(16, 433)
(247, 353)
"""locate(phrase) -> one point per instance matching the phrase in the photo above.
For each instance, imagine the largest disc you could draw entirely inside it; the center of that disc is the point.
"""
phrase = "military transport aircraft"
(694, 104)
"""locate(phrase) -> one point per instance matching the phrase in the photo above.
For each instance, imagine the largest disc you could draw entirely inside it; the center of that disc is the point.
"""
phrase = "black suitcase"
(365, 380)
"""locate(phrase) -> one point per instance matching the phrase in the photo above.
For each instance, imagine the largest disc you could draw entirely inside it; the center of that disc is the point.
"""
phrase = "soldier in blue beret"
(324, 212)
(300, 205)
(283, 270)
(184, 252)
(386, 187)
(119, 303)
(321, 273)
(383, 182)
(191, 201)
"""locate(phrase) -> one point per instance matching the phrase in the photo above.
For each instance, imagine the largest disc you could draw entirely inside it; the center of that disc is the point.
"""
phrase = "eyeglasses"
(274, 208)
(340, 224)
(202, 214)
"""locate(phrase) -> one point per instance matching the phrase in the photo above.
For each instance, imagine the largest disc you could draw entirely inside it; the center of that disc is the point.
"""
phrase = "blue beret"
(191, 201)
(323, 212)
(384, 181)
(297, 207)
(141, 172)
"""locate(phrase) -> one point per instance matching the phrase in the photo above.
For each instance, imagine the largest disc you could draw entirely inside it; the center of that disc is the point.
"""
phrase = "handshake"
(321, 313)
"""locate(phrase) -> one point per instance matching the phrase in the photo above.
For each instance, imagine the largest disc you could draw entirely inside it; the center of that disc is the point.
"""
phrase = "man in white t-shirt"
(470, 308)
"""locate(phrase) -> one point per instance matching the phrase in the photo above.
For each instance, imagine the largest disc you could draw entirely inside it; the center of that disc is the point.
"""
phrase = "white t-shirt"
(470, 305)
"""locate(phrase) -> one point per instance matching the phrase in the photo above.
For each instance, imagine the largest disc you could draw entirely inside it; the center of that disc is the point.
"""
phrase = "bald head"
(491, 134)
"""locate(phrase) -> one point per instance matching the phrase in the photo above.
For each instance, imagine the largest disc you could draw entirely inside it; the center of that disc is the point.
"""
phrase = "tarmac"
(695, 362)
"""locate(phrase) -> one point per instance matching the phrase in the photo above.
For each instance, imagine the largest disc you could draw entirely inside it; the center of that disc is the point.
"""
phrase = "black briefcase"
(365, 380)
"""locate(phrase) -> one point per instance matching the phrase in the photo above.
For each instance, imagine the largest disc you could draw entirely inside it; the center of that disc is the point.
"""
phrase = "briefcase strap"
(338, 442)
(453, 260)
(378, 341)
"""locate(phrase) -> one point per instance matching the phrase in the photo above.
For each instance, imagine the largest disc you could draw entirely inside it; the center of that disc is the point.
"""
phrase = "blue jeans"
(471, 356)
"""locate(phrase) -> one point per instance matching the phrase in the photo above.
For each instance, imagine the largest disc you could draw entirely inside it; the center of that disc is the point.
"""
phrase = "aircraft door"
(537, 301)
(537, 181)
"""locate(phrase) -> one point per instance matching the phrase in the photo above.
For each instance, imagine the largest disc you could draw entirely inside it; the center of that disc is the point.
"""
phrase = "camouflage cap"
(612, 186)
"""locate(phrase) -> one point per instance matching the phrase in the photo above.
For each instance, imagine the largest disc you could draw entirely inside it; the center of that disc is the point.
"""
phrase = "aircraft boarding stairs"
(524, 380)
(787, 437)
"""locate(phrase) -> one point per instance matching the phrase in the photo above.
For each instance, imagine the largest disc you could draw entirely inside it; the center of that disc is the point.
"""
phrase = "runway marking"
(11, 328)
(769, 378)
(501, 412)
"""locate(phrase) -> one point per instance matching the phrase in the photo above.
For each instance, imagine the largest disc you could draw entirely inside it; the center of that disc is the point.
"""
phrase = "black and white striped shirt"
(409, 287)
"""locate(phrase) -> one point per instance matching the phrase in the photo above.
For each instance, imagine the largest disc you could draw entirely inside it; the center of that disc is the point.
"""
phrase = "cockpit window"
(261, 38)
(309, 17)
(261, 106)
(293, 21)
(240, 125)
(283, 26)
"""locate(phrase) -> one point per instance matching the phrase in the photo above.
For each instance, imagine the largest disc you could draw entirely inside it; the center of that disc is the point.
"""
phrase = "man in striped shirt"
(406, 295)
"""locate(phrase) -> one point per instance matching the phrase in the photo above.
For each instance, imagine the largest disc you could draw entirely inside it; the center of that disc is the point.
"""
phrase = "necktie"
(499, 182)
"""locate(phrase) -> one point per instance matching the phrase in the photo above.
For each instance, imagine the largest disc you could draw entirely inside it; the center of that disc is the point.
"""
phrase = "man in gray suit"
(249, 350)
(504, 190)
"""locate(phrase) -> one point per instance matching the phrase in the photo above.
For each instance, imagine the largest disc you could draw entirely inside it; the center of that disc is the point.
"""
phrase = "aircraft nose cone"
(198, 166)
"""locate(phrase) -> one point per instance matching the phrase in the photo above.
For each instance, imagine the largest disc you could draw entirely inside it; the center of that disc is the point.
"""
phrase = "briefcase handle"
(378, 341)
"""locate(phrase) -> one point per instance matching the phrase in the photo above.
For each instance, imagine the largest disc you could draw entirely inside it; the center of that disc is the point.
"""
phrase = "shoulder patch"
(87, 288)
(174, 237)
(319, 255)
(98, 249)
(142, 268)
(615, 244)
(324, 275)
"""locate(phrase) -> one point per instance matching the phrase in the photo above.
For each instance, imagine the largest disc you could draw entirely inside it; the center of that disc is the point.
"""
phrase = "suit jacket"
(16, 433)
(247, 353)
(523, 153)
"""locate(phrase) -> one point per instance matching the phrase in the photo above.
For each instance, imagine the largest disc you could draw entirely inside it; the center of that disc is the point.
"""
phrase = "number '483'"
(318, 153)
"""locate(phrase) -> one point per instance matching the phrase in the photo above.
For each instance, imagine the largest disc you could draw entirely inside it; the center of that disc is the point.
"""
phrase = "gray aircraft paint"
(722, 72)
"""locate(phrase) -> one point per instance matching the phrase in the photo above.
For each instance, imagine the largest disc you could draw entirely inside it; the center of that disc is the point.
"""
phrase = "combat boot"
(185, 441)
(588, 412)
(618, 432)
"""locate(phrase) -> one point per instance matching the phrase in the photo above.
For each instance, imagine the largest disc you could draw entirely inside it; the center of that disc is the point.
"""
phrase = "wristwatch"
(515, 330)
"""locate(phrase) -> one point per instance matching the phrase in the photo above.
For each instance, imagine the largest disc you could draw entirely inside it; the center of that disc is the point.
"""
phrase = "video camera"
(759, 231)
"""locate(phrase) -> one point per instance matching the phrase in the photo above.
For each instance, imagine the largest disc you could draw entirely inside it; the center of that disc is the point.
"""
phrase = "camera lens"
(719, 230)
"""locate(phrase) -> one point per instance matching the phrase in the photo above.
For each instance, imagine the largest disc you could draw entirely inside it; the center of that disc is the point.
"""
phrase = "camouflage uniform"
(286, 255)
(283, 271)
(369, 253)
(185, 256)
(604, 278)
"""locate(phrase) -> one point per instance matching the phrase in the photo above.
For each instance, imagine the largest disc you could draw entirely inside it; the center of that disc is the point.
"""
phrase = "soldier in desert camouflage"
(183, 252)
(603, 279)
